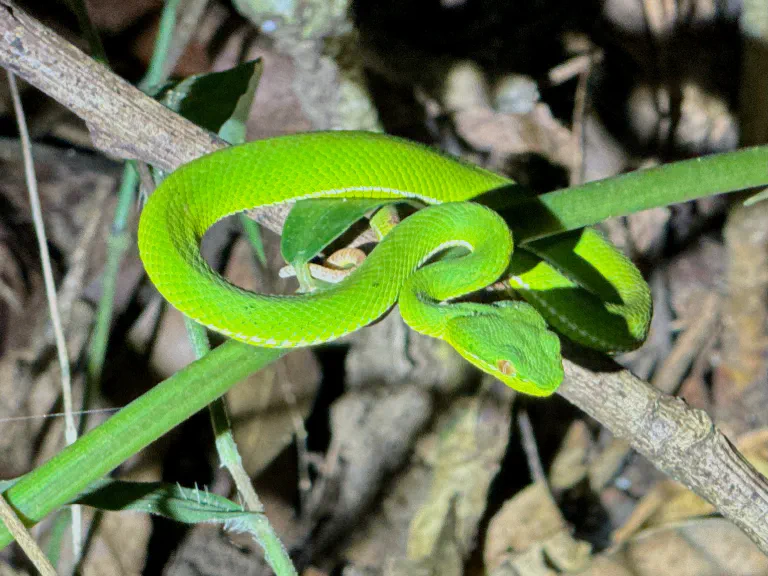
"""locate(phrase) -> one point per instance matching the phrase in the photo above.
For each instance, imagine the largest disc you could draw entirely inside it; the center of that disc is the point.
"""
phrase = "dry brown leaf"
(6, 570)
(266, 408)
(119, 546)
(116, 15)
(647, 229)
(705, 124)
(384, 532)
(445, 557)
(739, 390)
(207, 551)
(710, 546)
(468, 456)
(529, 536)
(527, 518)
(373, 433)
(570, 464)
(391, 353)
(693, 273)
(504, 135)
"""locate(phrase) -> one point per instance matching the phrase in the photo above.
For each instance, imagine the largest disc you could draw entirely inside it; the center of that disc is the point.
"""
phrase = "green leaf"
(141, 422)
(216, 100)
(220, 102)
(186, 505)
(189, 506)
(313, 224)
(61, 525)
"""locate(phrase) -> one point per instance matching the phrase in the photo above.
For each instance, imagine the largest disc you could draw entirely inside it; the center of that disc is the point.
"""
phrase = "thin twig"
(225, 442)
(24, 539)
(156, 72)
(573, 67)
(529, 447)
(187, 24)
(299, 431)
(680, 441)
(123, 121)
(70, 431)
(119, 240)
(88, 29)
(274, 552)
(580, 104)
(73, 281)
(670, 375)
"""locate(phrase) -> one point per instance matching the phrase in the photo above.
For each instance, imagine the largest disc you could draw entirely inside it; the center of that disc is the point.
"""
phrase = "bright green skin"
(509, 340)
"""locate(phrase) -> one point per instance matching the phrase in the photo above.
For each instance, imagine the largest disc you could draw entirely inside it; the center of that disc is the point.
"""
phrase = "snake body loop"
(509, 339)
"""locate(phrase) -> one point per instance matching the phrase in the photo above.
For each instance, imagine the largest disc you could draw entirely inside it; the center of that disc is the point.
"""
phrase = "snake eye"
(506, 367)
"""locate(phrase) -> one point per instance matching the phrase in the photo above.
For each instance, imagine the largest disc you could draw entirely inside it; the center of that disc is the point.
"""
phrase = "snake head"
(509, 340)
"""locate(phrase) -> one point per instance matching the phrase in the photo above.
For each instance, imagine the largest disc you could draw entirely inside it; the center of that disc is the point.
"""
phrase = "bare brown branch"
(123, 121)
(681, 441)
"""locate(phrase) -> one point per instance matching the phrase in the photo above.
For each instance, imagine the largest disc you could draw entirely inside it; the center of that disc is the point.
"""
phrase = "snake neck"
(425, 299)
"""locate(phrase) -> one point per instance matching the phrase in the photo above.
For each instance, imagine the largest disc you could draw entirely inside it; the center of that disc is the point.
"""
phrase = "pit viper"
(579, 284)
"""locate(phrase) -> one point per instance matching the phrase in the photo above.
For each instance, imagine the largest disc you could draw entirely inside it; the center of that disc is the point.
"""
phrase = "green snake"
(578, 283)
